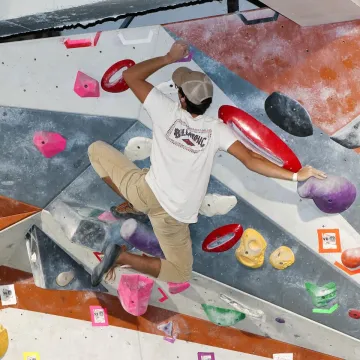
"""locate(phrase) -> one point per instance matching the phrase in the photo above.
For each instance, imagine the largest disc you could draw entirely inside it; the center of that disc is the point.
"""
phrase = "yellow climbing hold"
(251, 251)
(4, 341)
(282, 258)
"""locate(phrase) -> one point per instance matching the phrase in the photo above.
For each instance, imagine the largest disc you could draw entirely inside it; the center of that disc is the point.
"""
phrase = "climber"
(170, 193)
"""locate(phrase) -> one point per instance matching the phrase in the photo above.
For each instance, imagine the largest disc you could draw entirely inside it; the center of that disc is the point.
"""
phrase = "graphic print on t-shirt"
(193, 140)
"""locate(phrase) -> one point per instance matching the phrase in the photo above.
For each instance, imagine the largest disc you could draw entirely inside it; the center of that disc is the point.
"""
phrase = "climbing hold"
(349, 135)
(138, 148)
(223, 238)
(86, 86)
(77, 43)
(288, 114)
(134, 292)
(4, 341)
(282, 258)
(332, 195)
(351, 258)
(251, 251)
(31, 356)
(280, 320)
(215, 204)
(253, 313)
(186, 58)
(321, 295)
(134, 41)
(355, 314)
(107, 217)
(49, 143)
(166, 328)
(259, 138)
(118, 85)
(177, 288)
(141, 237)
(65, 278)
(258, 16)
(222, 317)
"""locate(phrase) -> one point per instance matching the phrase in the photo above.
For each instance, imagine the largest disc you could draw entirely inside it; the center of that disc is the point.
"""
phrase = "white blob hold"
(167, 87)
(33, 258)
(128, 228)
(8, 183)
(138, 148)
(65, 278)
(215, 204)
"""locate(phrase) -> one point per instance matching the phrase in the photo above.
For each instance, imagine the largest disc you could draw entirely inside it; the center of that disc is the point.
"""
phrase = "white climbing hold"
(255, 314)
(215, 204)
(65, 278)
(33, 258)
(166, 328)
(138, 148)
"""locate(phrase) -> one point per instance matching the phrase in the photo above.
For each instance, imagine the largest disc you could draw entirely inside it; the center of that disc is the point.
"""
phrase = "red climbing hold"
(77, 43)
(259, 138)
(176, 288)
(86, 86)
(49, 143)
(223, 238)
(134, 292)
(118, 85)
(355, 314)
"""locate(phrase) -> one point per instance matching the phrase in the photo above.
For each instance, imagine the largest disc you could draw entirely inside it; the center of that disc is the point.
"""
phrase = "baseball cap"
(196, 85)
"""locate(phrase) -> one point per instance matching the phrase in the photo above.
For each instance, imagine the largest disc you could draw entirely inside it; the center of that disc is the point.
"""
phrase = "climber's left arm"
(260, 165)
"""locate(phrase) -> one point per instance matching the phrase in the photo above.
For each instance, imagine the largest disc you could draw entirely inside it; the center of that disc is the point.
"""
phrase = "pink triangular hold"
(86, 86)
(134, 292)
(176, 288)
(107, 216)
(49, 143)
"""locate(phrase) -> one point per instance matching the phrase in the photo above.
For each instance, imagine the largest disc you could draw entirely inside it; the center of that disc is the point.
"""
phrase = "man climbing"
(185, 141)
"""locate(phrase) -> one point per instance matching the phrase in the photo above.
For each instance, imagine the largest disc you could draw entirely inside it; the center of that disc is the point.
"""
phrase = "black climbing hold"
(288, 114)
(280, 320)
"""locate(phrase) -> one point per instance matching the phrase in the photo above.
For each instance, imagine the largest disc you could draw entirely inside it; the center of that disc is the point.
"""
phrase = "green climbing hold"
(222, 317)
(326, 311)
(321, 295)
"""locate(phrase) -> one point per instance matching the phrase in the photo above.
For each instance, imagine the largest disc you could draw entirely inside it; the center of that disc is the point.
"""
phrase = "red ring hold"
(120, 85)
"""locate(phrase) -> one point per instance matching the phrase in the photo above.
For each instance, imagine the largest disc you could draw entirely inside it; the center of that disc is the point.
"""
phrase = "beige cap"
(196, 85)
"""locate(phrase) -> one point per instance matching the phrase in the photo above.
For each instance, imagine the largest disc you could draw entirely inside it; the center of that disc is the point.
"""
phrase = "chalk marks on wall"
(288, 114)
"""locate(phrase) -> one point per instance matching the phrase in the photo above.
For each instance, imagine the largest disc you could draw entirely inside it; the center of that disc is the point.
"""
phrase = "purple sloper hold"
(141, 237)
(332, 195)
(186, 58)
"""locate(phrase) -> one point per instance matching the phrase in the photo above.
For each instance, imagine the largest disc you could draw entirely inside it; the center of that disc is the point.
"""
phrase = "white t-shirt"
(182, 155)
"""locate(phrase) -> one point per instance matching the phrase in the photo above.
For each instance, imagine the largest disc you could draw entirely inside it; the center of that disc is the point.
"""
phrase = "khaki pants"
(173, 236)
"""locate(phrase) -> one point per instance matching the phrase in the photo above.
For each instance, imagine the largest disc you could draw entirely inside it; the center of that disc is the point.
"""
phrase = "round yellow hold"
(4, 341)
(282, 258)
(251, 251)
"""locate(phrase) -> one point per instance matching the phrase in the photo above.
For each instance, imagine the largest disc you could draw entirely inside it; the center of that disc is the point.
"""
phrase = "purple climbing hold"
(141, 237)
(280, 320)
(333, 195)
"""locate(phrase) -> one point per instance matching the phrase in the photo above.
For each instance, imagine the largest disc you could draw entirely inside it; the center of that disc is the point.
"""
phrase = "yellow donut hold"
(282, 258)
(251, 251)
(4, 341)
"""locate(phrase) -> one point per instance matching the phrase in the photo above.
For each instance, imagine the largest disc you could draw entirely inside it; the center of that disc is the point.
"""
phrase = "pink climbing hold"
(108, 217)
(49, 143)
(176, 288)
(134, 292)
(86, 86)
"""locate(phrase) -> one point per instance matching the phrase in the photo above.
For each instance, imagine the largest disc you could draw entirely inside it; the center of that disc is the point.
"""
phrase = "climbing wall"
(286, 275)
